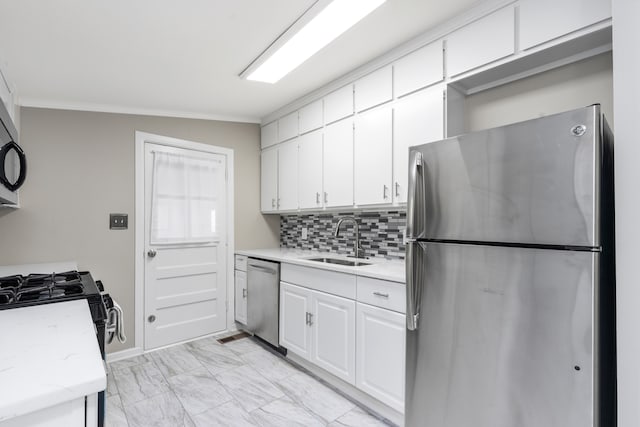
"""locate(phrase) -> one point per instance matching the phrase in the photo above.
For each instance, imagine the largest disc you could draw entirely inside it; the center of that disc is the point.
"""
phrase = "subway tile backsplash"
(380, 233)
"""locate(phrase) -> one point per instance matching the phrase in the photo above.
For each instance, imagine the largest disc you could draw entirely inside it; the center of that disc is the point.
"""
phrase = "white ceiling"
(183, 58)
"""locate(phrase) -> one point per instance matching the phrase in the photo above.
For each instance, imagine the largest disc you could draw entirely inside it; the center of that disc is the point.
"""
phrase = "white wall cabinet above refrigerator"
(418, 69)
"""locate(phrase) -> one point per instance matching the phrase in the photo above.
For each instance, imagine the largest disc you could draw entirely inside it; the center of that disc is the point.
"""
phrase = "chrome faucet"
(357, 250)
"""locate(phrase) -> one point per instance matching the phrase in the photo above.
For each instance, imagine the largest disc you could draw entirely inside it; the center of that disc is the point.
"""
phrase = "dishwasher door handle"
(263, 269)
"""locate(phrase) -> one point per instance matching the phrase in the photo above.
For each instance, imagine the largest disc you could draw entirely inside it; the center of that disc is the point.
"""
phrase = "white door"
(373, 150)
(417, 119)
(185, 290)
(310, 170)
(338, 164)
(288, 176)
(269, 179)
(241, 296)
(381, 351)
(295, 330)
(333, 322)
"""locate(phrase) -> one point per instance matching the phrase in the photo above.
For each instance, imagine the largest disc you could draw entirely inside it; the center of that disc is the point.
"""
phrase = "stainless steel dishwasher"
(263, 295)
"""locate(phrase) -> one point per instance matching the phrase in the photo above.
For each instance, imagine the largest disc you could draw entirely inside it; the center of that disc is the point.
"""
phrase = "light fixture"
(319, 25)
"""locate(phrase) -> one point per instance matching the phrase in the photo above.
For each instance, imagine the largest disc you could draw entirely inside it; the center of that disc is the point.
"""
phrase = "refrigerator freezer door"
(533, 182)
(504, 338)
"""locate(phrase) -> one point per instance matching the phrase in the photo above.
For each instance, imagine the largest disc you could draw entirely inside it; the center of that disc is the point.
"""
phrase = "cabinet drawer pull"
(308, 317)
(380, 294)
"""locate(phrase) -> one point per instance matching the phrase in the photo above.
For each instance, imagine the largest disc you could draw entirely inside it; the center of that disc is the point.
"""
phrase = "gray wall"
(626, 74)
(81, 168)
(575, 85)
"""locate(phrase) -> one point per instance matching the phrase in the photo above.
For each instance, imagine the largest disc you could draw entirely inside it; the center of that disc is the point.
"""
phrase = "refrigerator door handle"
(416, 197)
(414, 266)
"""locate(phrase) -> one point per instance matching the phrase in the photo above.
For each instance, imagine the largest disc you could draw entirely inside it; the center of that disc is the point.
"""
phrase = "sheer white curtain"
(184, 202)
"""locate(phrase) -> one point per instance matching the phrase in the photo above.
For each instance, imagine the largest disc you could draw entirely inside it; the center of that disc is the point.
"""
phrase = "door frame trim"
(140, 139)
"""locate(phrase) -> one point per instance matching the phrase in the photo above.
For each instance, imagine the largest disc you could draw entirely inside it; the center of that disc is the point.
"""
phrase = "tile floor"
(205, 384)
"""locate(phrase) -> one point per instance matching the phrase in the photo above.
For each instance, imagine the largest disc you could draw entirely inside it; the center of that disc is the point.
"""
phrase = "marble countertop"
(49, 355)
(379, 268)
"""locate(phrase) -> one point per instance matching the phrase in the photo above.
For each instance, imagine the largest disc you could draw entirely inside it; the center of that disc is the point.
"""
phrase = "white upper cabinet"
(310, 170)
(338, 104)
(373, 152)
(269, 134)
(374, 89)
(288, 176)
(269, 180)
(544, 20)
(310, 117)
(338, 164)
(288, 127)
(418, 69)
(418, 118)
(486, 40)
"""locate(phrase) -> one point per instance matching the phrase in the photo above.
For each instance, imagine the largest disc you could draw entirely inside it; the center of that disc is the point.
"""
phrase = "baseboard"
(124, 354)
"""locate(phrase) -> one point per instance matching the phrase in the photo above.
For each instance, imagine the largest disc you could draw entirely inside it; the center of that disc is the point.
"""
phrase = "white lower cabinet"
(380, 353)
(320, 328)
(241, 296)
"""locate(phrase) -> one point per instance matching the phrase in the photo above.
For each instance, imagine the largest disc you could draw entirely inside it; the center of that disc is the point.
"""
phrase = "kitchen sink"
(339, 261)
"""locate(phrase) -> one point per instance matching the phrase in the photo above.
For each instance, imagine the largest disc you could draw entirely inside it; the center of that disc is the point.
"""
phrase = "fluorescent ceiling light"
(333, 20)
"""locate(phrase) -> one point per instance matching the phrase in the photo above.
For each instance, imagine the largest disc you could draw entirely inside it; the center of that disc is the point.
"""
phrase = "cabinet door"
(295, 330)
(381, 352)
(288, 127)
(310, 117)
(334, 327)
(337, 171)
(269, 179)
(338, 104)
(418, 69)
(374, 89)
(373, 151)
(269, 135)
(481, 42)
(544, 20)
(310, 170)
(241, 297)
(288, 176)
(418, 118)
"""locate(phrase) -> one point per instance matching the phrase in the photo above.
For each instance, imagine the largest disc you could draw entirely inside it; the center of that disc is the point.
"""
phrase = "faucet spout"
(358, 251)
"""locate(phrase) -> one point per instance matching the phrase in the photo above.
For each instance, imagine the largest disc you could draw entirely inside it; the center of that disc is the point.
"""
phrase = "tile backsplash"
(380, 232)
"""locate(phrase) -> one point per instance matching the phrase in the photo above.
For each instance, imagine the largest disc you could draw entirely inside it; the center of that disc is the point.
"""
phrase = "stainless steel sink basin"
(339, 261)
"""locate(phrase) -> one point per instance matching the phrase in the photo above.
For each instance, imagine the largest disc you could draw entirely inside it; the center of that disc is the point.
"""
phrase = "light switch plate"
(305, 233)
(118, 221)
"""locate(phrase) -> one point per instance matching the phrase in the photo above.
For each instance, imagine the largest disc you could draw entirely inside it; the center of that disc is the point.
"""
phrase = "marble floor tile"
(243, 345)
(357, 417)
(228, 414)
(198, 391)
(115, 416)
(216, 357)
(163, 410)
(203, 342)
(140, 382)
(272, 367)
(112, 387)
(315, 396)
(132, 361)
(175, 360)
(285, 412)
(251, 389)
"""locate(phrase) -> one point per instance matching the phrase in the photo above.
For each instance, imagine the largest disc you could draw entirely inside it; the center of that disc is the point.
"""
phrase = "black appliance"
(24, 291)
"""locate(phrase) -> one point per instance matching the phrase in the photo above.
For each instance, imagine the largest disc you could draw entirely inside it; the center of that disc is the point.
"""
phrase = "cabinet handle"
(380, 294)
(384, 192)
(310, 319)
(306, 317)
(326, 197)
(317, 198)
(244, 293)
(273, 203)
(278, 202)
(397, 189)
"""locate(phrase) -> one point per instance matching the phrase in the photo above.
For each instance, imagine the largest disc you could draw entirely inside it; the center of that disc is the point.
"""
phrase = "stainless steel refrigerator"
(511, 277)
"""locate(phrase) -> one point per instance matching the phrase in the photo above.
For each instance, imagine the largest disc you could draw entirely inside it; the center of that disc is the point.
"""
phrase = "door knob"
(151, 253)
(151, 318)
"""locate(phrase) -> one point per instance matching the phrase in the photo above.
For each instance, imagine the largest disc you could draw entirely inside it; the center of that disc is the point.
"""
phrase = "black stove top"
(22, 291)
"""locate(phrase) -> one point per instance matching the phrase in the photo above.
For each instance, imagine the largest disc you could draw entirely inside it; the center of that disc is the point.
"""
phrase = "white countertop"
(48, 355)
(379, 268)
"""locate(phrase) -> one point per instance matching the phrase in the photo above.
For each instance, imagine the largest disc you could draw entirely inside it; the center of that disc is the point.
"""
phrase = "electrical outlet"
(305, 233)
(118, 221)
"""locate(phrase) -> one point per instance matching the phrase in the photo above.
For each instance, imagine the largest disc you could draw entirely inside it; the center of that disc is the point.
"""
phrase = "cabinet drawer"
(340, 284)
(382, 293)
(241, 262)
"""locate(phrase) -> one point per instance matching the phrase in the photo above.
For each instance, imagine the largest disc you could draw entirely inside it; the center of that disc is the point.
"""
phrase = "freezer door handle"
(416, 196)
(414, 266)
